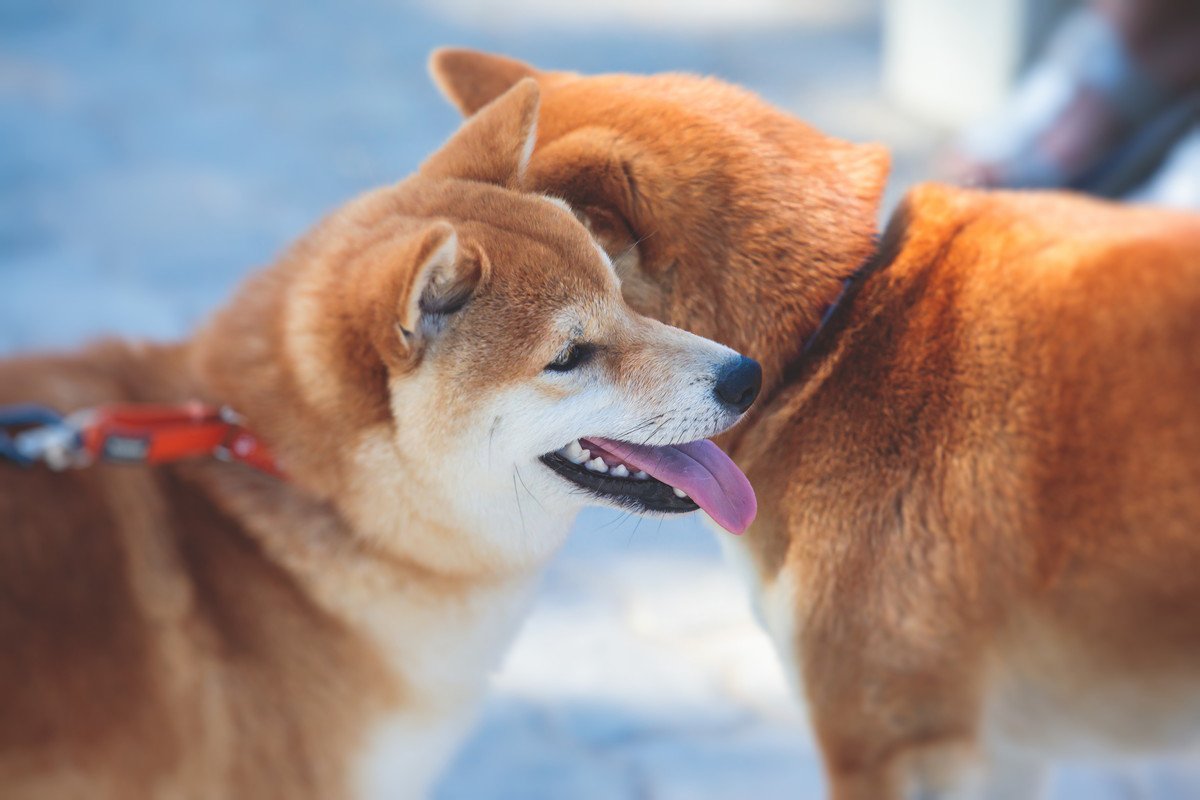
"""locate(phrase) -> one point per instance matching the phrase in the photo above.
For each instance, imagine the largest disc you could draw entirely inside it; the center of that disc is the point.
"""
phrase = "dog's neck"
(343, 567)
(439, 633)
(784, 324)
(824, 337)
(273, 508)
(900, 302)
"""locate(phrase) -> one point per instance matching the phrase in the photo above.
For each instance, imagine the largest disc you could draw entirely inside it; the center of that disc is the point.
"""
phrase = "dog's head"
(708, 200)
(460, 348)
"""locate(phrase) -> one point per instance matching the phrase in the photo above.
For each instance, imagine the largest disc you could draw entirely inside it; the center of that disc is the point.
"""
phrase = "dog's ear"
(493, 146)
(589, 170)
(470, 79)
(435, 278)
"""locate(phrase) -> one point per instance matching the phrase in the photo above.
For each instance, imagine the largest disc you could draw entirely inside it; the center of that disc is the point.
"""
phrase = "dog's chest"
(441, 654)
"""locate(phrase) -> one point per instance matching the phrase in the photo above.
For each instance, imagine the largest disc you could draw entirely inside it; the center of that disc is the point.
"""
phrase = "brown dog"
(980, 535)
(415, 364)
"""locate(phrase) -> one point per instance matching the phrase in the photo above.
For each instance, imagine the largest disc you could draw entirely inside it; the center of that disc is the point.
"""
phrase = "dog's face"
(500, 379)
(704, 196)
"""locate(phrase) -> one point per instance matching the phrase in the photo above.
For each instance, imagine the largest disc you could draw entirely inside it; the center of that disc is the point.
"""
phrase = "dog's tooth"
(640, 475)
(679, 493)
(581, 458)
(573, 450)
(597, 464)
(620, 471)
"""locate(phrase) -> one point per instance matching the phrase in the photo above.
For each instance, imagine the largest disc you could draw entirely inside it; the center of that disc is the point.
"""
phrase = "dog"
(444, 371)
(977, 447)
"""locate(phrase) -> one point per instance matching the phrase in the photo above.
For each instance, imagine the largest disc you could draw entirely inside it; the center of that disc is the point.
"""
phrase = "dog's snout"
(738, 382)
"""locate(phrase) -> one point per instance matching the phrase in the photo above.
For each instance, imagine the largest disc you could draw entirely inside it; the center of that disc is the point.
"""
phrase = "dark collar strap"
(836, 317)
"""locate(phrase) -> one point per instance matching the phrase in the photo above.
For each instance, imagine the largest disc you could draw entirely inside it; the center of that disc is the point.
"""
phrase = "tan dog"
(980, 535)
(416, 365)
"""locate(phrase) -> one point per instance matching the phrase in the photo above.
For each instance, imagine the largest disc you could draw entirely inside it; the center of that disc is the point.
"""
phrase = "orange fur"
(979, 523)
(202, 630)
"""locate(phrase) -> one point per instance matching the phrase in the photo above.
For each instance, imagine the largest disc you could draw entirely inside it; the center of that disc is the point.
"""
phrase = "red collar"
(135, 433)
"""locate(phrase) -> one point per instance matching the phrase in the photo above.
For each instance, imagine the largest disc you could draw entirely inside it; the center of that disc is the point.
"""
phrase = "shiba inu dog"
(445, 371)
(978, 445)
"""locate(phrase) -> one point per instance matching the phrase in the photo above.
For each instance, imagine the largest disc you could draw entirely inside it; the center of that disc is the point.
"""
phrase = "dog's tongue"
(702, 470)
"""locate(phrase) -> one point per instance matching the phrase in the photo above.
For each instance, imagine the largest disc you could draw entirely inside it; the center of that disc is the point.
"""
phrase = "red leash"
(131, 433)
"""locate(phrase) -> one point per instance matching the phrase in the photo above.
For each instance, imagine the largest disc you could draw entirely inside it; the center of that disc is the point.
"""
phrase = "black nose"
(738, 382)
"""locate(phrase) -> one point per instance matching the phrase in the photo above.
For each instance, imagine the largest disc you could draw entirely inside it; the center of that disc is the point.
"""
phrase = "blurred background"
(152, 153)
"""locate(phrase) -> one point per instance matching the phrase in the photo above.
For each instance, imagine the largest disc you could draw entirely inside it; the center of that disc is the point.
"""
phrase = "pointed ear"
(493, 146)
(470, 79)
(439, 281)
(589, 168)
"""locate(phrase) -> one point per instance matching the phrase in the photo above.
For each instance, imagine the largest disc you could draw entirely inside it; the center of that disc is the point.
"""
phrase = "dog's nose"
(738, 382)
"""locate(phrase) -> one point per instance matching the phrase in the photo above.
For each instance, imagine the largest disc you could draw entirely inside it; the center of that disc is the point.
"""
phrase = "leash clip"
(48, 438)
(58, 446)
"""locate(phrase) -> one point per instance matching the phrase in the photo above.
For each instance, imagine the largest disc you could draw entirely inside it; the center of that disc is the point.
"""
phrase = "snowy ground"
(152, 153)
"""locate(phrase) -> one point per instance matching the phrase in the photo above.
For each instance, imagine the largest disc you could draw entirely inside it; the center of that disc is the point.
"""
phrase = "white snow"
(152, 153)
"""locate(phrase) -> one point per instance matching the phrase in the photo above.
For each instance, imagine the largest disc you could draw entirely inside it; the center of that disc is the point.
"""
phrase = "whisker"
(520, 511)
(624, 435)
(638, 524)
(654, 432)
(531, 494)
(633, 246)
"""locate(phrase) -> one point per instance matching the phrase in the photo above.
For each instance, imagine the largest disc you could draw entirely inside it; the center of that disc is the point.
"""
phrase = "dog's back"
(1102, 313)
(79, 676)
(988, 489)
(145, 633)
(58, 532)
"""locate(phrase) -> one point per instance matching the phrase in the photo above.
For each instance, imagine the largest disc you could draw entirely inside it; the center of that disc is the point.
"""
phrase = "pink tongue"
(702, 470)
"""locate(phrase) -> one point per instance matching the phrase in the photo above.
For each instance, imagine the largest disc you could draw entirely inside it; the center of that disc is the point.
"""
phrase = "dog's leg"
(946, 771)
(869, 785)
(949, 770)
(898, 721)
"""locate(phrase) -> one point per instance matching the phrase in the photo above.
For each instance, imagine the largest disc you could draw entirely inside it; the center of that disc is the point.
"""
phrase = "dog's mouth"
(670, 479)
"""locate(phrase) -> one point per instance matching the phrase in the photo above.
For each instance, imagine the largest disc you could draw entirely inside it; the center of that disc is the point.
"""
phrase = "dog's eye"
(571, 357)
